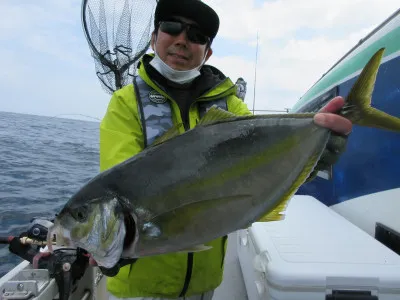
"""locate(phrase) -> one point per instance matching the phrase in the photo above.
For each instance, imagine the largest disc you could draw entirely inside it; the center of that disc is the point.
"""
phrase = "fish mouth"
(109, 252)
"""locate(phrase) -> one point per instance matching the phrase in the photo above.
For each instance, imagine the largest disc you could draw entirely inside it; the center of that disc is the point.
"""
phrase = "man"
(175, 86)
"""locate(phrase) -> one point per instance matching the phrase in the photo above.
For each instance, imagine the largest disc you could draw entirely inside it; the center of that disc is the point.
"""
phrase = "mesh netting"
(118, 33)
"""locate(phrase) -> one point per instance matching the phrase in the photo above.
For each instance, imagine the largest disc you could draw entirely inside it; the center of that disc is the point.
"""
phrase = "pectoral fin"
(197, 248)
(191, 217)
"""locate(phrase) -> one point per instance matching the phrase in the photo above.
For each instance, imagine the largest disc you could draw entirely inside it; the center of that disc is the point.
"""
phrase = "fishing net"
(118, 33)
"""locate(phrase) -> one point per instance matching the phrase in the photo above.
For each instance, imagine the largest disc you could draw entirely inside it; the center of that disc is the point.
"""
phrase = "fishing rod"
(286, 110)
(66, 265)
(255, 76)
(4, 240)
(36, 235)
(81, 115)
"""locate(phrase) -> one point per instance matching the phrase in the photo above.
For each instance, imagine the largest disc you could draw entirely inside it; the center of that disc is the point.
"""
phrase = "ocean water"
(43, 161)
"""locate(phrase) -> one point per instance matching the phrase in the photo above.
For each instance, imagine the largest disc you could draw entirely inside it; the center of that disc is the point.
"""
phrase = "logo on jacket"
(157, 98)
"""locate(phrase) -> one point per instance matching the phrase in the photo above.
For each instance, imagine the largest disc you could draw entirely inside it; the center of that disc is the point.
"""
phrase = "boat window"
(325, 174)
(317, 103)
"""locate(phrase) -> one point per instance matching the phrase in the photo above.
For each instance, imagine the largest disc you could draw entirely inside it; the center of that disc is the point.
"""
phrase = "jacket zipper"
(200, 98)
(188, 274)
(189, 268)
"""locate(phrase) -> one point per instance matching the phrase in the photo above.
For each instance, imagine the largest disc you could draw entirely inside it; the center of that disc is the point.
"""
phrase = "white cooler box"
(316, 254)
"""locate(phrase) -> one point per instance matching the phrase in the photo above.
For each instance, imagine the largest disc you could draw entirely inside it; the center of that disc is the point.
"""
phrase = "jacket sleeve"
(120, 130)
(237, 106)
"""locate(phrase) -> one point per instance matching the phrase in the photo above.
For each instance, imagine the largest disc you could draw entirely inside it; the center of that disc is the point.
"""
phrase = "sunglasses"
(193, 33)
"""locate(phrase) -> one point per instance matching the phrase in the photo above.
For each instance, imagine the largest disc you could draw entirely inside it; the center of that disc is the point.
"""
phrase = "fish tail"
(358, 103)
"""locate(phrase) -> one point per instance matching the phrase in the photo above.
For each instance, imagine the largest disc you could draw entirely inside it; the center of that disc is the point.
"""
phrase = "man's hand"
(92, 262)
(341, 128)
(327, 118)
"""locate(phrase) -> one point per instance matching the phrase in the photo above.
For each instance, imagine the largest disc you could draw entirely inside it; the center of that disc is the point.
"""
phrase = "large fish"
(188, 189)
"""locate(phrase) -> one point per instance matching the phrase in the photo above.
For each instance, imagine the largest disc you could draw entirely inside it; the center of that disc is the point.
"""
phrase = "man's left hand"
(341, 128)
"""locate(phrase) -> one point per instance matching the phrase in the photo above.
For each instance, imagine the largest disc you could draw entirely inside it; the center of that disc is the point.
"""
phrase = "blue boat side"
(371, 162)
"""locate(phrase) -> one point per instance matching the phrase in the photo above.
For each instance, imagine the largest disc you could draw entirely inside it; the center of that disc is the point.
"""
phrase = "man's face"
(178, 51)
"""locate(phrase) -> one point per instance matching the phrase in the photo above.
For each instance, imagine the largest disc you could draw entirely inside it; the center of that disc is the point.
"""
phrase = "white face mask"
(180, 77)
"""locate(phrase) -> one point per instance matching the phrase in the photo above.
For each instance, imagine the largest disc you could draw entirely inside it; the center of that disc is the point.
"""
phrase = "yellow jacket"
(121, 136)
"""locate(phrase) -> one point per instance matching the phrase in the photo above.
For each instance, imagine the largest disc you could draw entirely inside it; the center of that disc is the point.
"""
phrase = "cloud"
(298, 41)
(279, 19)
(46, 64)
(47, 68)
(22, 18)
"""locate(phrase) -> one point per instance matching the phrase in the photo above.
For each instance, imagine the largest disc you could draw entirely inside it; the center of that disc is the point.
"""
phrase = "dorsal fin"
(169, 134)
(215, 114)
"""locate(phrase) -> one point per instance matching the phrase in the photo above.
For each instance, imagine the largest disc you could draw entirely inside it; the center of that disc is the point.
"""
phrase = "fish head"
(96, 226)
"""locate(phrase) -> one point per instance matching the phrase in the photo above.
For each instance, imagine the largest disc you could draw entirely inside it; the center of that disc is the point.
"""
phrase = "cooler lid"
(315, 246)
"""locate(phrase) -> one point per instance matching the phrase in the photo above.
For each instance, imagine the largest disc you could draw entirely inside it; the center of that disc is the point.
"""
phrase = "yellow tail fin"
(358, 103)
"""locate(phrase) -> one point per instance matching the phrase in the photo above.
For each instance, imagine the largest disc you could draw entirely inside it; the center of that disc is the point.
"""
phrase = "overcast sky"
(46, 67)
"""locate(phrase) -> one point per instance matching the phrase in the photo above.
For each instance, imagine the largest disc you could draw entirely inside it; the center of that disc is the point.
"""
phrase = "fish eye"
(80, 214)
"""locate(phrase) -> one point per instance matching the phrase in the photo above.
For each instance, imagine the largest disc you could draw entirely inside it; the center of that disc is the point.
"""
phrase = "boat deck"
(232, 286)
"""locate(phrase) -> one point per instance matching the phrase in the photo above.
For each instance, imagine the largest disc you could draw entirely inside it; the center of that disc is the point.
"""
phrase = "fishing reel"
(30, 245)
(67, 266)
(39, 229)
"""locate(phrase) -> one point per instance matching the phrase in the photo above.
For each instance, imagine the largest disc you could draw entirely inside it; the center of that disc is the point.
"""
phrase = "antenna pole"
(255, 76)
